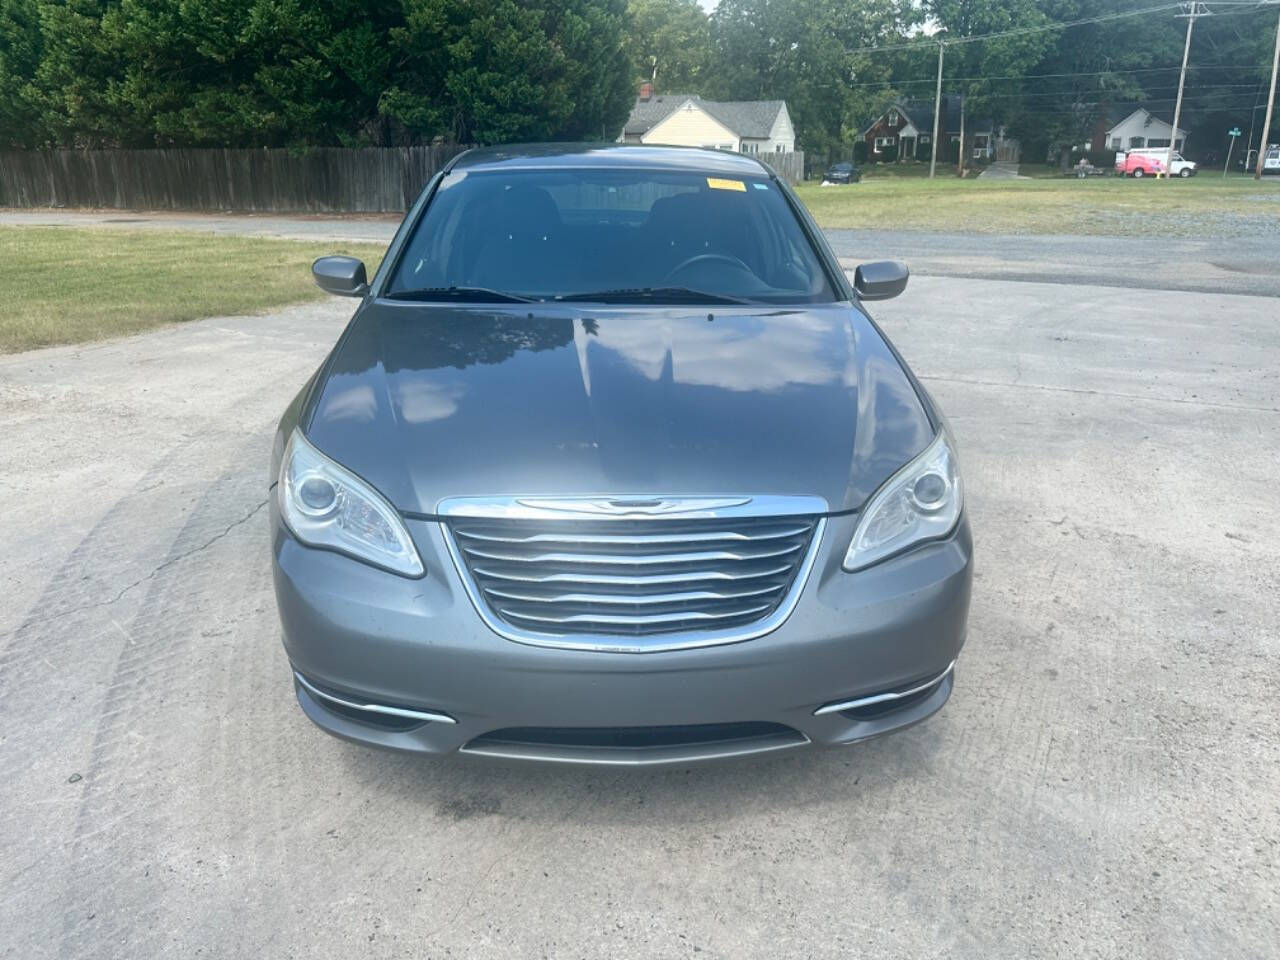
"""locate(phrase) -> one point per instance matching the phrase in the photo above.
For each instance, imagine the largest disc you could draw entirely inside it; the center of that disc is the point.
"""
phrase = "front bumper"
(360, 636)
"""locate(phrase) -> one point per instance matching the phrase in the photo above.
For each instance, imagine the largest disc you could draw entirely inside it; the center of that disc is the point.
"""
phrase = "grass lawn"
(1111, 206)
(904, 171)
(69, 285)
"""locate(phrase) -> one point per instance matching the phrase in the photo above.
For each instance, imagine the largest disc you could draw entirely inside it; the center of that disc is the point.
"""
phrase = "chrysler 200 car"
(611, 466)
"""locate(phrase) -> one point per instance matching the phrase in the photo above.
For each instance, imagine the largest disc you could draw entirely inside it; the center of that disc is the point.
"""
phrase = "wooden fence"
(371, 180)
(789, 166)
(329, 179)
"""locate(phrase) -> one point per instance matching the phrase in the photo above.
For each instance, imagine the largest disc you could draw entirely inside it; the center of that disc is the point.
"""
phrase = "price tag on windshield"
(715, 183)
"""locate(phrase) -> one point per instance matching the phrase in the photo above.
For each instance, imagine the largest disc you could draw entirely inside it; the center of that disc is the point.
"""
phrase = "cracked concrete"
(1102, 784)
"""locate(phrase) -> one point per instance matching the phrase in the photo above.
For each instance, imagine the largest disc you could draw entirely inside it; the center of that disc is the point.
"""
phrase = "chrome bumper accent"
(427, 716)
(637, 756)
(884, 697)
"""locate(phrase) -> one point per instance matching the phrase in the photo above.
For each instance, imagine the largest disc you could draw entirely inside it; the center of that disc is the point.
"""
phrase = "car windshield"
(619, 236)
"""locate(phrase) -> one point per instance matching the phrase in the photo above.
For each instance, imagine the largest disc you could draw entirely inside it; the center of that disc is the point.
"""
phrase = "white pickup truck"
(1271, 162)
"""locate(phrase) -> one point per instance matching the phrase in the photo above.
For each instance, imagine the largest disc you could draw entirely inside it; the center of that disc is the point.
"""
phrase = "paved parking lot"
(1104, 782)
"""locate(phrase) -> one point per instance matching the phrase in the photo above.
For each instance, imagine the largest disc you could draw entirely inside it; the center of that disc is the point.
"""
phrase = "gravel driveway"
(1104, 782)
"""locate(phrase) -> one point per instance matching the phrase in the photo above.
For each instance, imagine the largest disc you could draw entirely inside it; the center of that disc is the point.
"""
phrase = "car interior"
(517, 238)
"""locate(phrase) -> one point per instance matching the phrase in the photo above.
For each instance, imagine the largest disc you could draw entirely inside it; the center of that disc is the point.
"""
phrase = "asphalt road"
(1246, 262)
(1104, 782)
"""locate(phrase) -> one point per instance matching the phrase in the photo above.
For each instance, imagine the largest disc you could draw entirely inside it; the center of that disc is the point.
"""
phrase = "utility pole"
(960, 157)
(1253, 120)
(937, 108)
(1271, 102)
(1193, 10)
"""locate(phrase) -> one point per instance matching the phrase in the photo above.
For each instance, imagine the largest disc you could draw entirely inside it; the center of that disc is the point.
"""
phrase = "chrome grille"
(630, 580)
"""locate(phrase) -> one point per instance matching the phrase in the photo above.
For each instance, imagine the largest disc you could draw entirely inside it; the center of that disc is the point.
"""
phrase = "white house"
(1138, 129)
(686, 120)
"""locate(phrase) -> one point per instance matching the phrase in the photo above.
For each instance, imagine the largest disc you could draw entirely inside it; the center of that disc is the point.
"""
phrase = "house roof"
(920, 113)
(1120, 112)
(753, 119)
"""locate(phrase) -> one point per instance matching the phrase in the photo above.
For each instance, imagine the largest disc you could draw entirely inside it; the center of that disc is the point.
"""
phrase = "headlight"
(326, 505)
(920, 502)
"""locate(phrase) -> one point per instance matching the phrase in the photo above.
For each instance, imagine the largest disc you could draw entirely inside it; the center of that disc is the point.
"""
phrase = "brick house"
(904, 131)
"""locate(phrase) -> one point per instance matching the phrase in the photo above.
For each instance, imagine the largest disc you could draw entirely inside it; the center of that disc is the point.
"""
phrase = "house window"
(1137, 143)
(924, 139)
(777, 148)
(1115, 143)
(1153, 142)
(882, 142)
(893, 118)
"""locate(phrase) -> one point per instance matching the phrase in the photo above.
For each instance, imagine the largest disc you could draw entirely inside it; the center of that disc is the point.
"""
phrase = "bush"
(860, 151)
(889, 154)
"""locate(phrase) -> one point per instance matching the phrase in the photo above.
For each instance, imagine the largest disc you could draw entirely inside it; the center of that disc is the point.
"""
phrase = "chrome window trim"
(632, 507)
(427, 716)
(884, 697)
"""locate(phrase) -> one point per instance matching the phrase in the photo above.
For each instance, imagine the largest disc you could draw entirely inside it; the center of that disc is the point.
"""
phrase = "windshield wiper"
(652, 295)
(465, 294)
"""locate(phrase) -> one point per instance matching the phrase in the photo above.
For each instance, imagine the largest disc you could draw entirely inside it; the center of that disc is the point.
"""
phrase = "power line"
(1018, 31)
(1054, 76)
(1045, 27)
(1062, 93)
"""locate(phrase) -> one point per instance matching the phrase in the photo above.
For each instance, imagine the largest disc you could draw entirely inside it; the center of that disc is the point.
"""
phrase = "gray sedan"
(611, 466)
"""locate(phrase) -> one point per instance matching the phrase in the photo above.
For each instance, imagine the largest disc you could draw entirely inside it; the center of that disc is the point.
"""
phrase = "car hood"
(428, 402)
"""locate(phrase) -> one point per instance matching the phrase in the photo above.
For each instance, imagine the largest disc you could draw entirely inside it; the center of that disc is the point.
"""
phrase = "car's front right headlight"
(920, 502)
(326, 505)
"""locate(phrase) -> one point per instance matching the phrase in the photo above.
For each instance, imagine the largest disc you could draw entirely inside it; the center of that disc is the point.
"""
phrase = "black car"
(842, 173)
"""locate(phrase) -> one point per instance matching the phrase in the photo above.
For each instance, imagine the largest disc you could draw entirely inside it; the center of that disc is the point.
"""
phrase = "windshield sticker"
(715, 183)
(761, 186)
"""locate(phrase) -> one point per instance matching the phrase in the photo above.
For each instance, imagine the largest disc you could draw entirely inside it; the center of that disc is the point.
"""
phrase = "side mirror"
(881, 280)
(344, 276)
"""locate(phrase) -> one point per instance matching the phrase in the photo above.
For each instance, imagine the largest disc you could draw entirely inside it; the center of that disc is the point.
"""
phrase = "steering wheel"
(708, 258)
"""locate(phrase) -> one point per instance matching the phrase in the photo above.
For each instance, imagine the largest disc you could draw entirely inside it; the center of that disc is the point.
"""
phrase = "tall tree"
(803, 51)
(299, 73)
(488, 71)
(21, 46)
(669, 41)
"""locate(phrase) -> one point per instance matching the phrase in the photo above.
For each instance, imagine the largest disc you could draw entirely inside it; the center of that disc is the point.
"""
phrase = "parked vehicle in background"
(1137, 165)
(1084, 169)
(842, 173)
(1271, 162)
(1150, 161)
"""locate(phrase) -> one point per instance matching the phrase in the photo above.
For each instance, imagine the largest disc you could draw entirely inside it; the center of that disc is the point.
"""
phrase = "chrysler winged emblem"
(632, 506)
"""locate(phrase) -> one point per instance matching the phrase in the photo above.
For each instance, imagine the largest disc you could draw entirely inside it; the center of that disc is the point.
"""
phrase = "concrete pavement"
(1002, 170)
(1103, 783)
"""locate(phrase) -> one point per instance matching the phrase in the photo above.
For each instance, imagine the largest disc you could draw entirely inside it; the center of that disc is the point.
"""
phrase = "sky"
(708, 5)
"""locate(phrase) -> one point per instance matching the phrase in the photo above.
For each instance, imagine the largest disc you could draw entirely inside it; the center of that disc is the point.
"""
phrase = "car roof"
(552, 156)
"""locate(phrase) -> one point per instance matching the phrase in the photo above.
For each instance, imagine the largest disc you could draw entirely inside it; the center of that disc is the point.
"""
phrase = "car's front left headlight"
(326, 505)
(920, 502)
